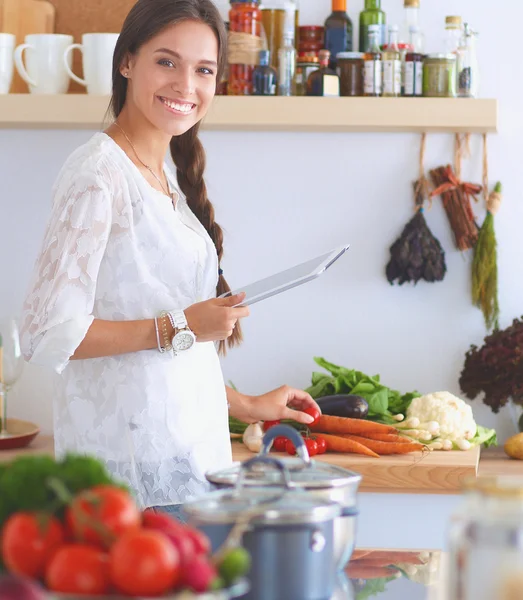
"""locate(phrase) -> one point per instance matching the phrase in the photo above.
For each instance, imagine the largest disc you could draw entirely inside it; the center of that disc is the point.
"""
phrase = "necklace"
(167, 193)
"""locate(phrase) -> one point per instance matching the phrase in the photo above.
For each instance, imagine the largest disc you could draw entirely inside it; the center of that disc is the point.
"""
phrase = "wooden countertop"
(435, 473)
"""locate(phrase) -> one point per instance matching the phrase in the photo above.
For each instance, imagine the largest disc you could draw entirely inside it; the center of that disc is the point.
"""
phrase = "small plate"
(19, 434)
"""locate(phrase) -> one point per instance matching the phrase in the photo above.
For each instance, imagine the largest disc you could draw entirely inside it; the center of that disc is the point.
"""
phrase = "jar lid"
(453, 20)
(441, 57)
(411, 3)
(262, 506)
(349, 55)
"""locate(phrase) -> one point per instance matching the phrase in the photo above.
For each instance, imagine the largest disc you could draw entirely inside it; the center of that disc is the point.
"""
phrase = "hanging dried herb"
(485, 265)
(456, 198)
(416, 254)
(496, 369)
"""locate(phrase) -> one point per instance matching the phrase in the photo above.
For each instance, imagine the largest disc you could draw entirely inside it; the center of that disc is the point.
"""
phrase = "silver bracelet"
(160, 347)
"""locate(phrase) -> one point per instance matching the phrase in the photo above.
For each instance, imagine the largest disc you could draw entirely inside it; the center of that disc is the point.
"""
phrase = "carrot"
(387, 437)
(337, 425)
(354, 571)
(385, 447)
(398, 556)
(359, 554)
(340, 444)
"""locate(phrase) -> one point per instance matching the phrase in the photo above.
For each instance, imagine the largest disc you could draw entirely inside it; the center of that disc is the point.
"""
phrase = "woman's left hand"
(283, 403)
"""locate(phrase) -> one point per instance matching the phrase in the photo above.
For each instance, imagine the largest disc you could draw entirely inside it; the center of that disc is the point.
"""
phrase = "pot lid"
(303, 473)
(262, 506)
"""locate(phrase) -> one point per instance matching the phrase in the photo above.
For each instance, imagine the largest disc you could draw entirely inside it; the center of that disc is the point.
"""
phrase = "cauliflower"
(454, 416)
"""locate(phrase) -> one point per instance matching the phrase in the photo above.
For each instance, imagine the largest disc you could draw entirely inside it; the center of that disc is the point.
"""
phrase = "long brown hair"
(146, 20)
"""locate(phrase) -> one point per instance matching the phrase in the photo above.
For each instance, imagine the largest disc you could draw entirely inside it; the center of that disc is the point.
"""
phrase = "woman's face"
(172, 78)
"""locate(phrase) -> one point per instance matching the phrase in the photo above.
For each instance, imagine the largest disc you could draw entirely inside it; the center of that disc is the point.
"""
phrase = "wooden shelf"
(229, 113)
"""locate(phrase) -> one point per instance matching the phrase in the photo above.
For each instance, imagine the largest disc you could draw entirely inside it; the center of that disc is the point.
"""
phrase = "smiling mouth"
(180, 108)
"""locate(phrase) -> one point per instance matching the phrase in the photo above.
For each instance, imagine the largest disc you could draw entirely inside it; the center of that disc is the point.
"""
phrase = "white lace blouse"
(117, 249)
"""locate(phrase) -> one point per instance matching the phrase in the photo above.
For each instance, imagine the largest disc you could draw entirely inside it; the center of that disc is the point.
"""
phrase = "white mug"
(97, 50)
(7, 47)
(45, 73)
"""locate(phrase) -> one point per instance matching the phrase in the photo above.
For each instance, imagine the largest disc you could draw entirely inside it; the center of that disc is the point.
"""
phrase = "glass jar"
(439, 76)
(351, 68)
(245, 43)
(486, 541)
(306, 64)
(311, 39)
(412, 84)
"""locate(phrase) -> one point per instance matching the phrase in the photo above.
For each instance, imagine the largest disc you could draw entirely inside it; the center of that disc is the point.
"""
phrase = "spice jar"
(311, 39)
(245, 43)
(486, 541)
(439, 76)
(351, 67)
(307, 63)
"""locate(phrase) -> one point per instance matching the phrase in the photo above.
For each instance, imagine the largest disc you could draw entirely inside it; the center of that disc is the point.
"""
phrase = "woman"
(130, 265)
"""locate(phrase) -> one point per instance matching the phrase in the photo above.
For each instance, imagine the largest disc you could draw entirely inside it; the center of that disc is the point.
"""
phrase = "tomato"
(289, 448)
(199, 574)
(279, 444)
(268, 424)
(322, 445)
(314, 413)
(312, 446)
(144, 563)
(110, 510)
(200, 541)
(177, 534)
(79, 569)
(29, 541)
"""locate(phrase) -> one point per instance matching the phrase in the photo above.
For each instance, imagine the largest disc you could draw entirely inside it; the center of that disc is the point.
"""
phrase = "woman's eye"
(206, 70)
(165, 62)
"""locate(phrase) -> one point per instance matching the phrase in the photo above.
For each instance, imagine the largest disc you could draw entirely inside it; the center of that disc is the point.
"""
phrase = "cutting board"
(76, 17)
(22, 17)
(435, 472)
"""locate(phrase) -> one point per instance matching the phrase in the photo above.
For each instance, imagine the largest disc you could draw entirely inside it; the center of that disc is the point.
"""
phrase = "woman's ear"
(125, 67)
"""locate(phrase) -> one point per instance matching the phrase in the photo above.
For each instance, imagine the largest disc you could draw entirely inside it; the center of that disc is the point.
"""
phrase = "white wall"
(284, 197)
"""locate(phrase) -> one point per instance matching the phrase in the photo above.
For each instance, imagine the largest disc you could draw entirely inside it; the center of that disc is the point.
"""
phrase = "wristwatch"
(183, 338)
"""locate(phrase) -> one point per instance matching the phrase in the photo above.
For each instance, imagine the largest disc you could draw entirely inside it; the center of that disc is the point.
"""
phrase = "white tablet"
(290, 278)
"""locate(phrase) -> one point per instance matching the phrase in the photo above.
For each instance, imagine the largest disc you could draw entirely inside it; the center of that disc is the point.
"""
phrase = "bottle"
(287, 66)
(372, 15)
(264, 77)
(411, 10)
(391, 58)
(372, 85)
(468, 68)
(453, 33)
(275, 17)
(338, 31)
(324, 81)
(412, 84)
(306, 64)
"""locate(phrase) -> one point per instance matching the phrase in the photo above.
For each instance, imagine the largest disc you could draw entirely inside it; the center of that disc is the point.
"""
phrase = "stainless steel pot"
(288, 533)
(326, 482)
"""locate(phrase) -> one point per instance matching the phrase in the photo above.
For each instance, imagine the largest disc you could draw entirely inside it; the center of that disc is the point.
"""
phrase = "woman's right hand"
(214, 320)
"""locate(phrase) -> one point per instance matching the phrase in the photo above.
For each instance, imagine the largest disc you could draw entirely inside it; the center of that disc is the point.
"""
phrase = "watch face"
(183, 341)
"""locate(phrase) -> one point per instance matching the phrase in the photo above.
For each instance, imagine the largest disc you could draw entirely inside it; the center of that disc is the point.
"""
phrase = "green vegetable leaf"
(374, 587)
(317, 377)
(378, 402)
(334, 369)
(485, 436)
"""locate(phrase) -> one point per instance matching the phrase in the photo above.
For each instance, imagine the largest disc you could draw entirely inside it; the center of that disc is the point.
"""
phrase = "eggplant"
(344, 405)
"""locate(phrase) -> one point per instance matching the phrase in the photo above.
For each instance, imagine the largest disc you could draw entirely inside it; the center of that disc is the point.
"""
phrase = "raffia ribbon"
(422, 186)
(492, 200)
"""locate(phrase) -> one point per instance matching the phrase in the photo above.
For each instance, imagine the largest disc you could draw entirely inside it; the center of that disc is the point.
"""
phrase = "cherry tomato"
(279, 444)
(29, 541)
(110, 510)
(314, 413)
(79, 569)
(144, 563)
(268, 424)
(201, 542)
(322, 445)
(289, 448)
(312, 446)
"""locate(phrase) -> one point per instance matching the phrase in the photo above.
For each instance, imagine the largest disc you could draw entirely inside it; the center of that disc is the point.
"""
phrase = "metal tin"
(486, 540)
(439, 76)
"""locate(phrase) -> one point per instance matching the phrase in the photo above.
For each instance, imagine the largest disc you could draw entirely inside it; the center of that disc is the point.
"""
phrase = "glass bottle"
(274, 17)
(264, 77)
(338, 31)
(412, 84)
(287, 66)
(245, 43)
(372, 15)
(306, 64)
(411, 10)
(372, 85)
(468, 68)
(453, 33)
(391, 58)
(324, 81)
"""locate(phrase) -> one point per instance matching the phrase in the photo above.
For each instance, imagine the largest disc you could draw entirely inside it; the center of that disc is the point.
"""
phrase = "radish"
(199, 574)
(20, 588)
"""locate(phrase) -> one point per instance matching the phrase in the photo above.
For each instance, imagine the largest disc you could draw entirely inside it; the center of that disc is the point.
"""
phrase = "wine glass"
(11, 365)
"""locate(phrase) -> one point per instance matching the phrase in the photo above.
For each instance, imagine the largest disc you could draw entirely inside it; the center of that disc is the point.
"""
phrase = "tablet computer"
(290, 278)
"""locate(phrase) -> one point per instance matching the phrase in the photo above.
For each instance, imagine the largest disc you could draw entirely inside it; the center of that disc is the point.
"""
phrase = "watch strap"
(178, 319)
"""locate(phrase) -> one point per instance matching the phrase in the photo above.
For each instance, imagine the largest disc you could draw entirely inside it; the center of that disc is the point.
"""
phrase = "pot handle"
(290, 433)
(349, 511)
(273, 462)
